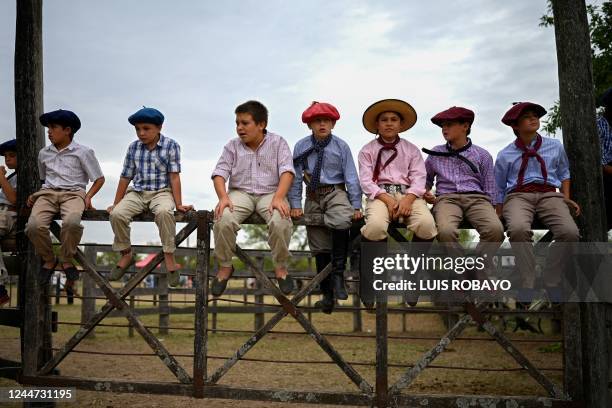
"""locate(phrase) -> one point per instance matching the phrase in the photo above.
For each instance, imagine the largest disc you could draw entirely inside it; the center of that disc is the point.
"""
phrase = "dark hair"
(397, 113)
(256, 109)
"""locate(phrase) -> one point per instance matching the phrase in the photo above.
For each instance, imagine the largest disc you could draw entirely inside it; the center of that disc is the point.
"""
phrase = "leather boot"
(411, 298)
(366, 277)
(327, 303)
(339, 252)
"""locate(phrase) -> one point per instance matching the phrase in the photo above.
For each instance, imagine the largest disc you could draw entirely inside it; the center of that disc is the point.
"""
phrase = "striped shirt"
(255, 171)
(408, 168)
(338, 168)
(148, 169)
(452, 175)
(68, 169)
(13, 182)
(605, 138)
(509, 161)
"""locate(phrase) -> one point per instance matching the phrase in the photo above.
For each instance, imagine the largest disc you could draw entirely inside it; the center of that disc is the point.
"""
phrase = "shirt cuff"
(222, 173)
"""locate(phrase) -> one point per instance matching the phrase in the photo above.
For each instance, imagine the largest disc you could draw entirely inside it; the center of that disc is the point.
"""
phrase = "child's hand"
(357, 215)
(223, 202)
(296, 212)
(280, 205)
(429, 197)
(110, 208)
(184, 208)
(404, 209)
(574, 207)
(30, 200)
(2, 171)
(88, 205)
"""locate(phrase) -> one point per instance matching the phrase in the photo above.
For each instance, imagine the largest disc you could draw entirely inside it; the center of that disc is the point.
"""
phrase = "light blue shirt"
(338, 167)
(509, 161)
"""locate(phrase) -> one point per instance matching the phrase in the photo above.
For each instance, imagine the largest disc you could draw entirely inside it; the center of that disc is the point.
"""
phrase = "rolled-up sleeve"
(129, 164)
(563, 171)
(225, 163)
(285, 159)
(91, 165)
(174, 158)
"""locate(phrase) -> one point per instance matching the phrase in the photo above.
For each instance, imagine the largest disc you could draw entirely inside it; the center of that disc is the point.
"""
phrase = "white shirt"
(68, 169)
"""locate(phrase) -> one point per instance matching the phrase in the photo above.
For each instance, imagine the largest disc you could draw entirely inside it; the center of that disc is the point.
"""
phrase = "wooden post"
(201, 311)
(382, 382)
(577, 107)
(88, 306)
(164, 308)
(36, 329)
(132, 305)
(259, 317)
(357, 322)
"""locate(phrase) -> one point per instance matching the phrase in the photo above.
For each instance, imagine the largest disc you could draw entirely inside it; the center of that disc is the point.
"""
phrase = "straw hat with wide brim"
(389, 105)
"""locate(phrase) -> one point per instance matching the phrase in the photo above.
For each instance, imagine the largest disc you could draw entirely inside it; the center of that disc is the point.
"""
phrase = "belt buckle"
(393, 188)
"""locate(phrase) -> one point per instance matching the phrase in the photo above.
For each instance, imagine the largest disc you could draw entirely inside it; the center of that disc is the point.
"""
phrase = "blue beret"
(147, 115)
(10, 146)
(62, 117)
(606, 98)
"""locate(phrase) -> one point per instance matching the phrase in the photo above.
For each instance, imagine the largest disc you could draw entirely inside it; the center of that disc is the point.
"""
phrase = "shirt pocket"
(70, 163)
(159, 164)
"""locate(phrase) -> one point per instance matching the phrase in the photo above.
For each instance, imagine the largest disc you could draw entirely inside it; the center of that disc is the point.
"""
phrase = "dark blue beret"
(10, 146)
(606, 98)
(61, 117)
(147, 115)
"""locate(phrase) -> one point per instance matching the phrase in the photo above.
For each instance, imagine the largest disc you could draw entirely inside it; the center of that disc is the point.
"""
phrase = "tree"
(600, 29)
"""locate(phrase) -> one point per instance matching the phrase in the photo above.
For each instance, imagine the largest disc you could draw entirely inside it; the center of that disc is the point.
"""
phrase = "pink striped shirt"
(258, 171)
(407, 168)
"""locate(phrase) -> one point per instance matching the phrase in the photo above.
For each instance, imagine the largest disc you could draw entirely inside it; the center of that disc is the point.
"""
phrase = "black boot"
(339, 252)
(366, 277)
(411, 297)
(327, 303)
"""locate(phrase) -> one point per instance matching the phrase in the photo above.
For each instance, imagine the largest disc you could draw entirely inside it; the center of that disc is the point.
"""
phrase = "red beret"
(456, 113)
(517, 110)
(317, 109)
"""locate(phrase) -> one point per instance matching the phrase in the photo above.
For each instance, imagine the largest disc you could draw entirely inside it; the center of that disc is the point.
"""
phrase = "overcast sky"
(196, 60)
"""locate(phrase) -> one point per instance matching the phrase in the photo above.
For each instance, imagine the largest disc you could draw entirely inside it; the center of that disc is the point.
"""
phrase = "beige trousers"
(245, 204)
(161, 204)
(551, 209)
(7, 230)
(70, 206)
(450, 209)
(420, 221)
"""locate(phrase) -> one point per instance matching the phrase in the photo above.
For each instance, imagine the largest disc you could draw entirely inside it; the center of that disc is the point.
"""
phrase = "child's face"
(58, 134)
(527, 123)
(10, 159)
(321, 126)
(248, 131)
(147, 132)
(388, 124)
(453, 130)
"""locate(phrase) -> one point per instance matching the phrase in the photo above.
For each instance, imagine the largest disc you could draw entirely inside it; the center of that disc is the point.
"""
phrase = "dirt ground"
(474, 354)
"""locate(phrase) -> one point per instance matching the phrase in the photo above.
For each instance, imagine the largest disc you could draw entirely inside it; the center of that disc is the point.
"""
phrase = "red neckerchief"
(385, 146)
(527, 153)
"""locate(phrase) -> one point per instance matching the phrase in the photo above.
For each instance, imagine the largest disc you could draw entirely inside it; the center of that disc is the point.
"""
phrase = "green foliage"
(600, 28)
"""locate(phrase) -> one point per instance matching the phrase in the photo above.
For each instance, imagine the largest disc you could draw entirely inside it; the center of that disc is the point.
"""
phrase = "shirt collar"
(71, 146)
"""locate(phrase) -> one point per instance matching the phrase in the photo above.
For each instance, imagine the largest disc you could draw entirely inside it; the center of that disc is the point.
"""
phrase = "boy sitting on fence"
(259, 170)
(8, 200)
(66, 167)
(325, 163)
(153, 165)
(392, 175)
(465, 184)
(528, 173)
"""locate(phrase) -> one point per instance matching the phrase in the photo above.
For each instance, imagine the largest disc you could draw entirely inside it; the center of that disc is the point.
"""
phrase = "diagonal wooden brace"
(550, 387)
(108, 307)
(289, 307)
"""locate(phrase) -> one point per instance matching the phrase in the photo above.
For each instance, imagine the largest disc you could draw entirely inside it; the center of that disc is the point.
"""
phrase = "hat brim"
(389, 105)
